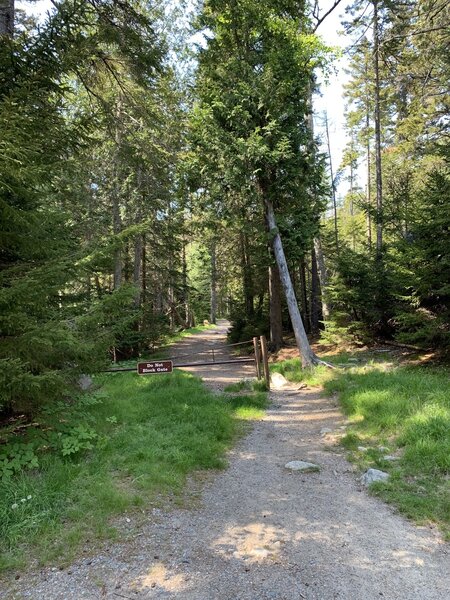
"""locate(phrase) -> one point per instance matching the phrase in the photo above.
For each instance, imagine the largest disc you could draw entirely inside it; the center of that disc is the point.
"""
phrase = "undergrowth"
(146, 435)
(401, 412)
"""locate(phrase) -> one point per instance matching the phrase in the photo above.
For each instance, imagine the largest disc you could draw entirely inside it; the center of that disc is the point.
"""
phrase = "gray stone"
(391, 458)
(277, 380)
(372, 475)
(325, 430)
(383, 448)
(302, 466)
(85, 382)
(362, 449)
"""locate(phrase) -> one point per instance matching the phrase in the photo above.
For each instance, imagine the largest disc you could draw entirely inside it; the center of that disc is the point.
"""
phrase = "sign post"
(155, 367)
(257, 357)
(265, 360)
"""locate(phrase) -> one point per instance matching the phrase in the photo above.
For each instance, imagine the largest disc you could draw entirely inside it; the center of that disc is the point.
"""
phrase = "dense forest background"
(139, 171)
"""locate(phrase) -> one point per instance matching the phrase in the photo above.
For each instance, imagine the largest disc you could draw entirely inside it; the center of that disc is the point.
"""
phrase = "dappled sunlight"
(406, 559)
(248, 455)
(253, 542)
(158, 576)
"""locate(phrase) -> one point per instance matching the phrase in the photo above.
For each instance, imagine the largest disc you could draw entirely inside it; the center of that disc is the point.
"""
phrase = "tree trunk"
(304, 295)
(369, 175)
(144, 270)
(247, 277)
(187, 312)
(314, 294)
(333, 186)
(378, 175)
(276, 315)
(323, 277)
(6, 18)
(137, 271)
(117, 226)
(213, 315)
(117, 220)
(307, 356)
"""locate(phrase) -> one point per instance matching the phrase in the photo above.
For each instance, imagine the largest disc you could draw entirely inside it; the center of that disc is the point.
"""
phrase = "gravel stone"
(302, 466)
(373, 475)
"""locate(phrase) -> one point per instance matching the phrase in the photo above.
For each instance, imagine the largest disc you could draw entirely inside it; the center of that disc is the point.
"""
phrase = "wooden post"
(257, 357)
(265, 360)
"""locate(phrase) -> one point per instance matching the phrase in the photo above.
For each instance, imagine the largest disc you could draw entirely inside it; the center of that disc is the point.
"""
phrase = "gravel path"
(260, 532)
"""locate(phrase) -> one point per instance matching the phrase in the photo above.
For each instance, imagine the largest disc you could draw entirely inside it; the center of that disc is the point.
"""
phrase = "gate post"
(265, 360)
(257, 357)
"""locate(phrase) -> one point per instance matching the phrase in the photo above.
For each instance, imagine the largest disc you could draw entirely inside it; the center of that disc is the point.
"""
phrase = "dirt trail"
(261, 532)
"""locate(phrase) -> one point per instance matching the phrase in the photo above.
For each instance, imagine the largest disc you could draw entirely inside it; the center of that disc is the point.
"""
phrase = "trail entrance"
(209, 354)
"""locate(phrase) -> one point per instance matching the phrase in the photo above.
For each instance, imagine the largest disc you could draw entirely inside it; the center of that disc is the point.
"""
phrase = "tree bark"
(275, 309)
(187, 312)
(213, 315)
(117, 226)
(304, 295)
(307, 356)
(6, 18)
(333, 186)
(378, 174)
(314, 294)
(323, 277)
(368, 153)
(368, 196)
(144, 270)
(117, 220)
(137, 271)
(247, 277)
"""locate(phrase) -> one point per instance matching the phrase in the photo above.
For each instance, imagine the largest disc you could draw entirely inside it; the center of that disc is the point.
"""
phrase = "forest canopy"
(148, 182)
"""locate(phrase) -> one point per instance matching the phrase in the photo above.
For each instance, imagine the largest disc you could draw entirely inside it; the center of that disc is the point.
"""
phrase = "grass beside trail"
(398, 411)
(151, 433)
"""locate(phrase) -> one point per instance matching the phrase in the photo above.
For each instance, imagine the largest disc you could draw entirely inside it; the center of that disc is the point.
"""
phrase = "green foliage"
(15, 458)
(79, 99)
(406, 409)
(131, 444)
(409, 410)
(342, 332)
(427, 251)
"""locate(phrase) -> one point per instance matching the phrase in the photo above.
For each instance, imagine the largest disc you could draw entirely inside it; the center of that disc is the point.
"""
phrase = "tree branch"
(322, 19)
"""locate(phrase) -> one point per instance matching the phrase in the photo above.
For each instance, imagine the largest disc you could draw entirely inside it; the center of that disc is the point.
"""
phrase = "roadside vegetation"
(120, 450)
(398, 411)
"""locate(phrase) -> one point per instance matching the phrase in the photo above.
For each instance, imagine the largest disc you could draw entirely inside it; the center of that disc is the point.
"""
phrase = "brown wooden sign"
(155, 367)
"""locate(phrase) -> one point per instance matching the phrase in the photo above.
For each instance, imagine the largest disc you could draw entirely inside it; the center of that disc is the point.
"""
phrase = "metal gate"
(165, 365)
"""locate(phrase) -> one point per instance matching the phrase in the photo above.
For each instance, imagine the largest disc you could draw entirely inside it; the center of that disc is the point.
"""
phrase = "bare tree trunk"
(117, 220)
(137, 271)
(247, 276)
(369, 200)
(117, 227)
(275, 311)
(369, 177)
(378, 175)
(171, 305)
(333, 186)
(307, 356)
(314, 293)
(144, 270)
(304, 295)
(187, 312)
(323, 277)
(213, 315)
(7, 18)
